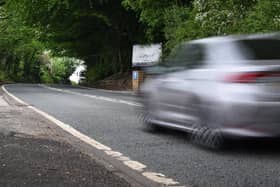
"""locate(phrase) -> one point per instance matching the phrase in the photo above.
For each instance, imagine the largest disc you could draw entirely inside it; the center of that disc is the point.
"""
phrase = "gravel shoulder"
(26, 161)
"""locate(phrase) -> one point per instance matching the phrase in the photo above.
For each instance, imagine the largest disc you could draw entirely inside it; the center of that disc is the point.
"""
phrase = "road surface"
(116, 125)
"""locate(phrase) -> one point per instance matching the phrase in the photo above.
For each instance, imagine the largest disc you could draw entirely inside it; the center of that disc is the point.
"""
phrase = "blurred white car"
(217, 87)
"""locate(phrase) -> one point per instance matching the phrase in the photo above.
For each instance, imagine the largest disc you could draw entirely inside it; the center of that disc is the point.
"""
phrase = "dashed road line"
(134, 165)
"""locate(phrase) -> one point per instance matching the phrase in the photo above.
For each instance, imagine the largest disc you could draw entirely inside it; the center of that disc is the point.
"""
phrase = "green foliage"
(58, 69)
(19, 46)
(83, 29)
(179, 26)
(221, 17)
(87, 29)
(264, 17)
(99, 71)
(108, 64)
(151, 13)
(182, 20)
(102, 32)
(3, 76)
(46, 76)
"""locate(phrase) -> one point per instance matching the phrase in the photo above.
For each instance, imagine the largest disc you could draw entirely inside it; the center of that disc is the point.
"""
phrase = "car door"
(175, 92)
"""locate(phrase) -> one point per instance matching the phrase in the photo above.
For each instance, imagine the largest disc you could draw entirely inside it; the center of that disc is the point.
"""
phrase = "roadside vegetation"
(102, 32)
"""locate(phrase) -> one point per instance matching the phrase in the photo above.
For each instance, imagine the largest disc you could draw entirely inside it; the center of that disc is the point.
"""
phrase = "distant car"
(217, 87)
(79, 74)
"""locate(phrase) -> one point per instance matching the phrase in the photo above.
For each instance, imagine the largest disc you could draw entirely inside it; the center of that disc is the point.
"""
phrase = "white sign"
(145, 55)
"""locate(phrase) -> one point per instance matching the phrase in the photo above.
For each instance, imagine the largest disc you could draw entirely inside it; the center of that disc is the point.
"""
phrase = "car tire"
(150, 127)
(147, 125)
(209, 138)
(145, 118)
(203, 134)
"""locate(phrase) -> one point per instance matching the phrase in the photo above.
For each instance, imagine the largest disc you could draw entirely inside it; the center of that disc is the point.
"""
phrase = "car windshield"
(162, 69)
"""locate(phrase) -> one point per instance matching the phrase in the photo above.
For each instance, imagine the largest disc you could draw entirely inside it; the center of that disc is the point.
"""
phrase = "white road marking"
(113, 153)
(134, 165)
(123, 158)
(159, 178)
(94, 96)
(15, 98)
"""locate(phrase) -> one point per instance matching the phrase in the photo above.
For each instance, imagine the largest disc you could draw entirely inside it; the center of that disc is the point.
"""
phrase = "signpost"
(143, 56)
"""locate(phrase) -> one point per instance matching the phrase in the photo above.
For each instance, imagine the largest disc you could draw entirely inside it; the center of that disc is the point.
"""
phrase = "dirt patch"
(120, 81)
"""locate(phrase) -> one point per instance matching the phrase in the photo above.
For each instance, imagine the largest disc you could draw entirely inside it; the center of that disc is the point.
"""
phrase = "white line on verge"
(94, 96)
(134, 165)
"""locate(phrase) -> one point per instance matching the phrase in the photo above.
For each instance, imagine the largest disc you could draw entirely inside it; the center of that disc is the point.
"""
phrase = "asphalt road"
(169, 152)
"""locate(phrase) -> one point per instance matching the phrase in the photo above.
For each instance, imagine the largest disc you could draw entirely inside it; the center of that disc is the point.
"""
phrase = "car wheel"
(145, 117)
(208, 137)
(150, 127)
(147, 125)
(203, 134)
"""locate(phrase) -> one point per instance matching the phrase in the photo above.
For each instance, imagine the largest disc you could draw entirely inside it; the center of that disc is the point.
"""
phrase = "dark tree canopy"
(102, 32)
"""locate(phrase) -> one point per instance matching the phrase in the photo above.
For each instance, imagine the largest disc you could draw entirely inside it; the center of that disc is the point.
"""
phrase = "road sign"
(146, 55)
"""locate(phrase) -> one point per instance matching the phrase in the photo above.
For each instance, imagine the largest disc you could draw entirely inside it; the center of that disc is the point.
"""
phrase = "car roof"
(233, 38)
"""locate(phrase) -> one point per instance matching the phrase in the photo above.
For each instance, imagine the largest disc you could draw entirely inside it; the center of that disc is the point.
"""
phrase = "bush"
(46, 76)
(58, 69)
(264, 17)
(3, 76)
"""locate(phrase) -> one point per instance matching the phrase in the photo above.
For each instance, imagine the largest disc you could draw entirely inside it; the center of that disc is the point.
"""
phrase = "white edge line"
(134, 165)
(14, 97)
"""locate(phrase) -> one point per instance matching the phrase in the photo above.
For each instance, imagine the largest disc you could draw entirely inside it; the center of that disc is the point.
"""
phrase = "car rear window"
(262, 49)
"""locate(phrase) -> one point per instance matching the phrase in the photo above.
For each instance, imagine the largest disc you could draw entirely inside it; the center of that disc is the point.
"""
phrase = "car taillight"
(249, 77)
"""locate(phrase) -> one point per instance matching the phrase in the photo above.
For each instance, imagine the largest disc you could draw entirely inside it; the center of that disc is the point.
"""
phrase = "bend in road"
(168, 152)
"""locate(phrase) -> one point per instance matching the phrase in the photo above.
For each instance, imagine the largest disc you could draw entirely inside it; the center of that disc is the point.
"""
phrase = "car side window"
(194, 55)
(187, 56)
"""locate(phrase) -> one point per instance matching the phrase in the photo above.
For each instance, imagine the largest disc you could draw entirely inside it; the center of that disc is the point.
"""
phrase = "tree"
(175, 21)
(19, 46)
(99, 32)
(102, 32)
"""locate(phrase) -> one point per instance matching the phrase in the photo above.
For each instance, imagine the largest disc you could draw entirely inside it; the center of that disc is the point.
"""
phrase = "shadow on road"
(269, 146)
